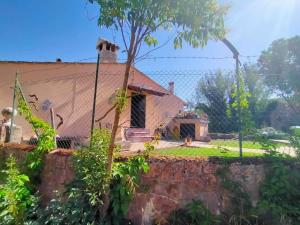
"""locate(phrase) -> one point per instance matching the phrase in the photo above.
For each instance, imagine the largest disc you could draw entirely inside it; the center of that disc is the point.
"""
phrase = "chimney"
(171, 87)
(108, 51)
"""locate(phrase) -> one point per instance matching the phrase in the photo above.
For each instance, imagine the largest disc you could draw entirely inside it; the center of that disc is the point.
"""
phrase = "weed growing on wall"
(125, 180)
(194, 213)
(240, 200)
(280, 195)
(15, 196)
(71, 209)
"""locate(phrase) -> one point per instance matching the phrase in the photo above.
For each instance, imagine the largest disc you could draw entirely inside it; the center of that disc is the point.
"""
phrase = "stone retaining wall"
(57, 171)
(170, 183)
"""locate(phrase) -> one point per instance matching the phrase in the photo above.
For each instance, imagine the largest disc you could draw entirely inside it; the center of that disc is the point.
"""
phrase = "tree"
(280, 67)
(258, 94)
(195, 21)
(212, 96)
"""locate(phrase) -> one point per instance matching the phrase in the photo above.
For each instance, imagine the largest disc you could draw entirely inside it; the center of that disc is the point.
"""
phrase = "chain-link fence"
(190, 108)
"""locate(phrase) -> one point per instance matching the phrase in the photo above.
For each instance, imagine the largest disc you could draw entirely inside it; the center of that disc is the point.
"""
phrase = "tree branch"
(109, 110)
(122, 32)
(152, 50)
(105, 114)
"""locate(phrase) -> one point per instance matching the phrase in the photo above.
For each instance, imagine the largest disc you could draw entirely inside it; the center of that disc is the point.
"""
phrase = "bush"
(15, 197)
(90, 166)
(83, 201)
(194, 213)
(280, 195)
(73, 209)
(125, 180)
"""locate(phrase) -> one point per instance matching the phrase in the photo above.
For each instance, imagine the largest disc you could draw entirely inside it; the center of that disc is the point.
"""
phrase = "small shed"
(190, 125)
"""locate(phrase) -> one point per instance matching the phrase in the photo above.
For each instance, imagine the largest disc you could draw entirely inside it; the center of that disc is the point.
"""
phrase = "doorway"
(187, 130)
(138, 111)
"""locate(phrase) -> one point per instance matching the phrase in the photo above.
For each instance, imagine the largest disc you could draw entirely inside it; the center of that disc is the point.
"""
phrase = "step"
(140, 139)
(137, 134)
(138, 130)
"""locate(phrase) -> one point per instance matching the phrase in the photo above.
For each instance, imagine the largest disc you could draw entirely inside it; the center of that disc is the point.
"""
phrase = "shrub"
(125, 180)
(194, 213)
(15, 197)
(90, 167)
(72, 209)
(280, 195)
(83, 200)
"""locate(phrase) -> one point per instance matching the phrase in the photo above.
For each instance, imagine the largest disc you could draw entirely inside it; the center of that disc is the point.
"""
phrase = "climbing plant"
(244, 95)
(45, 133)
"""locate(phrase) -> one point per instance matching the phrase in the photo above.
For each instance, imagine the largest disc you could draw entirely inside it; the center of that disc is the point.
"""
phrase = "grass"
(235, 143)
(206, 152)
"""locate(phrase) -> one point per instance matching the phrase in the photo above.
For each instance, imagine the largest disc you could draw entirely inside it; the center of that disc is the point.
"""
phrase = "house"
(68, 89)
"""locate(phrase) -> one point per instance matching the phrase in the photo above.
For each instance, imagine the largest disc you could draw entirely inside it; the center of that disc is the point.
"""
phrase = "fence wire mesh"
(194, 108)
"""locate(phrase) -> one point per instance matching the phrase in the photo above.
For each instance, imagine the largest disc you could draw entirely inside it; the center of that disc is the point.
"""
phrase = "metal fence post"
(53, 124)
(13, 109)
(95, 94)
(239, 106)
(237, 61)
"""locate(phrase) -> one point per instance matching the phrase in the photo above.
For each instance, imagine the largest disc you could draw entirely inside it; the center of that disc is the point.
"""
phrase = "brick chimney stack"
(108, 51)
(171, 87)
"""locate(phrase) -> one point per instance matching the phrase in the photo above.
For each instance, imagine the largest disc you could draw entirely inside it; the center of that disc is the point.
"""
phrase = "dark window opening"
(107, 46)
(187, 130)
(113, 48)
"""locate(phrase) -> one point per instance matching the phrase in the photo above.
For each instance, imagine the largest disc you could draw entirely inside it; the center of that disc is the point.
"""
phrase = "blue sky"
(35, 30)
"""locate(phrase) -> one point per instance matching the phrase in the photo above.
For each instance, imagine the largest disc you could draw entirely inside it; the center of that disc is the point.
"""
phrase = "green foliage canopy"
(280, 66)
(196, 21)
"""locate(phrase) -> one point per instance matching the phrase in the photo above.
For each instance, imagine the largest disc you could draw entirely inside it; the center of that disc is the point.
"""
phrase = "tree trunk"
(130, 56)
(117, 119)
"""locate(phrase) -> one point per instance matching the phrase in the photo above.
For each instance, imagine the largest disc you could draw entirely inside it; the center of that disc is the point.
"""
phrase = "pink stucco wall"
(69, 87)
